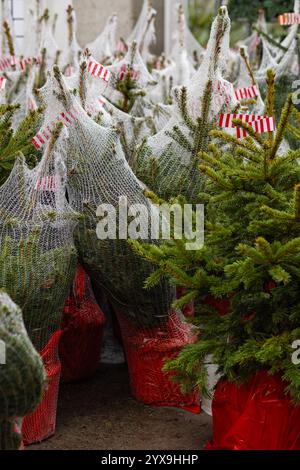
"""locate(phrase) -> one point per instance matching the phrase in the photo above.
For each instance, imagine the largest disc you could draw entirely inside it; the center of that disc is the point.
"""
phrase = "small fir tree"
(248, 269)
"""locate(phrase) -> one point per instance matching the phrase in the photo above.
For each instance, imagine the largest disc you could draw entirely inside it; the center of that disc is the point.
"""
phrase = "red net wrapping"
(255, 416)
(83, 327)
(41, 423)
(146, 353)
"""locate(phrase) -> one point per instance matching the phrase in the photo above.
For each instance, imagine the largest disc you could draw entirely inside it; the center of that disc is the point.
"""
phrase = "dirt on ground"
(100, 414)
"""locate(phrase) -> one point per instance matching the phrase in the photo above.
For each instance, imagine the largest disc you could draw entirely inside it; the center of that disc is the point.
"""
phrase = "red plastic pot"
(146, 353)
(255, 416)
(83, 327)
(42, 422)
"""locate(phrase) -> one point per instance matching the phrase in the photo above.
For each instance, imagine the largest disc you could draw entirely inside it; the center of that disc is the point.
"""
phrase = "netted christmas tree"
(37, 254)
(167, 162)
(131, 80)
(281, 53)
(100, 180)
(22, 377)
(245, 280)
(105, 45)
(144, 31)
(103, 189)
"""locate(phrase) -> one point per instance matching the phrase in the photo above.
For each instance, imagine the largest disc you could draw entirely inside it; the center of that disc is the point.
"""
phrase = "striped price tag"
(7, 63)
(44, 135)
(97, 70)
(46, 183)
(289, 18)
(247, 93)
(24, 63)
(260, 124)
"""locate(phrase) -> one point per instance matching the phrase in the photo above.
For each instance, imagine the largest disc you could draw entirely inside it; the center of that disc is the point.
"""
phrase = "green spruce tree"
(245, 280)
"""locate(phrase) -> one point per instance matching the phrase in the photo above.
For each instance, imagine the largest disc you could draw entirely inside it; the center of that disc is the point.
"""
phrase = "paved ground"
(101, 415)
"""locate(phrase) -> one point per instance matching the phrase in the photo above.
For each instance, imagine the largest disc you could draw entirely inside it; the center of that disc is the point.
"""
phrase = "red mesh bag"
(146, 352)
(41, 423)
(255, 416)
(83, 326)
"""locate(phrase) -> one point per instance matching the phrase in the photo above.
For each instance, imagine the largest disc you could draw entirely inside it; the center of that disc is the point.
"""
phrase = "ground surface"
(101, 415)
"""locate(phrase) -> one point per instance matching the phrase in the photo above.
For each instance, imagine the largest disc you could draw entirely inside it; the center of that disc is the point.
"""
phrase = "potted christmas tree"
(250, 262)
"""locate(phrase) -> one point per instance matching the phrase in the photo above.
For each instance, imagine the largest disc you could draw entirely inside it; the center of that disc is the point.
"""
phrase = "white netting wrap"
(212, 68)
(21, 91)
(282, 59)
(144, 31)
(99, 175)
(72, 55)
(33, 31)
(185, 48)
(168, 161)
(38, 257)
(104, 46)
(182, 37)
(131, 79)
(132, 130)
(288, 63)
(48, 42)
(166, 76)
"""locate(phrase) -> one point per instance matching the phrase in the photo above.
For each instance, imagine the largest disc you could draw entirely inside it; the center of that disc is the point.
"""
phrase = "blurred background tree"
(240, 9)
(243, 14)
(200, 17)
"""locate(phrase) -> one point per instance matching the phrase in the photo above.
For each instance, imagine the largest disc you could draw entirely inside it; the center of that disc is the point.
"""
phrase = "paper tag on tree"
(288, 19)
(247, 93)
(260, 124)
(97, 70)
(44, 135)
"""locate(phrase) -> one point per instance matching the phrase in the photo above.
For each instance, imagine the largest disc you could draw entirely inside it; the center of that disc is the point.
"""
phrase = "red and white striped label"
(247, 93)
(2, 83)
(10, 62)
(289, 18)
(260, 124)
(5, 63)
(46, 183)
(24, 62)
(98, 70)
(44, 135)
